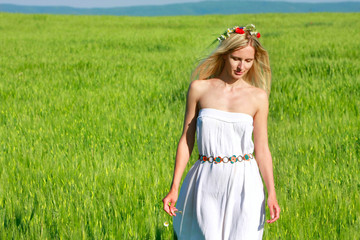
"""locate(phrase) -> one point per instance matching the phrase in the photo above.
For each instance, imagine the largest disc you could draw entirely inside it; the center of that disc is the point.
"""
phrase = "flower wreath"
(239, 30)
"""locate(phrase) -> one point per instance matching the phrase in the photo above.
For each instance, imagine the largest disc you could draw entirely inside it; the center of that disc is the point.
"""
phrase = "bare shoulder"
(200, 83)
(198, 87)
(260, 95)
(260, 98)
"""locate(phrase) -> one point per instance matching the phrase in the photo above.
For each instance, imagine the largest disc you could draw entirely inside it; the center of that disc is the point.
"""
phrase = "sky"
(125, 3)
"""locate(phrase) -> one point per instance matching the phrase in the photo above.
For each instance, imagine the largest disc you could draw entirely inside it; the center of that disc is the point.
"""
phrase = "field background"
(91, 109)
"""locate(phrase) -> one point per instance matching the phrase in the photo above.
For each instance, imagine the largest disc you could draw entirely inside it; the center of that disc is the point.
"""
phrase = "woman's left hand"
(274, 209)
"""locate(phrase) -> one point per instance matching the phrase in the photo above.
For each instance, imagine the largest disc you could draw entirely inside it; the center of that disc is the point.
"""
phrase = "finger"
(167, 207)
(173, 210)
(271, 220)
(271, 208)
(276, 214)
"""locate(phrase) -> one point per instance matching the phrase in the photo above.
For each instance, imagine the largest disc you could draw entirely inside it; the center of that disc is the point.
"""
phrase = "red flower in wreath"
(239, 30)
(258, 35)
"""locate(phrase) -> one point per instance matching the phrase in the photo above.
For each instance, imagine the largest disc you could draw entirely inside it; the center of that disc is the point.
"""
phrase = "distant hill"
(199, 8)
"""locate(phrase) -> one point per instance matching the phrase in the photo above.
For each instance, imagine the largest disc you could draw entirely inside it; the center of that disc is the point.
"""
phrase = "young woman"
(222, 196)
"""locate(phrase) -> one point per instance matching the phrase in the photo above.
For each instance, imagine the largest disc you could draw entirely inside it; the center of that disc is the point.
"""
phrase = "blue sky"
(123, 3)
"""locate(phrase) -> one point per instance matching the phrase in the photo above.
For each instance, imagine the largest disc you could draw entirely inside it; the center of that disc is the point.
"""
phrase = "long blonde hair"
(259, 74)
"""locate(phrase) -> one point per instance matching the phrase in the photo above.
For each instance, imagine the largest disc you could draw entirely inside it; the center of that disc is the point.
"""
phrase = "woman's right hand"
(169, 202)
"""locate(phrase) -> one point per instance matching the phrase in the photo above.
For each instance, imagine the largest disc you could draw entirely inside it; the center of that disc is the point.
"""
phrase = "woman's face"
(239, 62)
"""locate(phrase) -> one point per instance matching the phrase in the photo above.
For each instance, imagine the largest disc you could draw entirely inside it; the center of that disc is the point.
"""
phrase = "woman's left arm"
(263, 155)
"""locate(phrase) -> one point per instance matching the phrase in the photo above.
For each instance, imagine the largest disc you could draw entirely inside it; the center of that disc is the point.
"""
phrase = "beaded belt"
(232, 159)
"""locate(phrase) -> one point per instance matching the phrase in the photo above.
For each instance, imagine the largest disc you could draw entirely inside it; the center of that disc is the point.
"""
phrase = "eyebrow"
(240, 57)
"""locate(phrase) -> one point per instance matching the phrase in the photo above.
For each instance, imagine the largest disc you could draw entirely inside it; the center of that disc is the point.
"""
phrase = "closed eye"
(239, 59)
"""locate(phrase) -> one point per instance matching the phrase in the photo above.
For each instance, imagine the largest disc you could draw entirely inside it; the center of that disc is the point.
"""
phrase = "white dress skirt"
(222, 200)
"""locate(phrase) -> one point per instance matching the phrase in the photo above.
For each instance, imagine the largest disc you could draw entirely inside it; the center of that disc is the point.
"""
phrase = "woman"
(222, 196)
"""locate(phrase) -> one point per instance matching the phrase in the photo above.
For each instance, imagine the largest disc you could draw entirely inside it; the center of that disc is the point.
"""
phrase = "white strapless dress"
(222, 200)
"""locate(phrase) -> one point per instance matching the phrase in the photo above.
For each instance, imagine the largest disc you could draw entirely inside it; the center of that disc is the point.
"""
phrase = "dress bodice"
(221, 133)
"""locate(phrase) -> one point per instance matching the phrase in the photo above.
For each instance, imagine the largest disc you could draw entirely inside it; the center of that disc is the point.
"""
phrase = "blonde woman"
(222, 196)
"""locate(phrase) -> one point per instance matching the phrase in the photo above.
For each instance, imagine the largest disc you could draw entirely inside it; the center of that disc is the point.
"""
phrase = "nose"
(241, 65)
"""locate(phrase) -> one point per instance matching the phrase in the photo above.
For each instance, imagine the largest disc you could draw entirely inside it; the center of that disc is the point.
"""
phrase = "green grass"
(91, 109)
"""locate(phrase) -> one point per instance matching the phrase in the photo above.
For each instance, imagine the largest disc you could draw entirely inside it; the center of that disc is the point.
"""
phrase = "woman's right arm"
(185, 146)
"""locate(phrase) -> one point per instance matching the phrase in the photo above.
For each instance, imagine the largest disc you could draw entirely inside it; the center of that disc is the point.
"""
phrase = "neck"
(231, 82)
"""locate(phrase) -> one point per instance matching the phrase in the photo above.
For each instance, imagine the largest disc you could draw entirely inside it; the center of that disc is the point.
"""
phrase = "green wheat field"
(92, 107)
